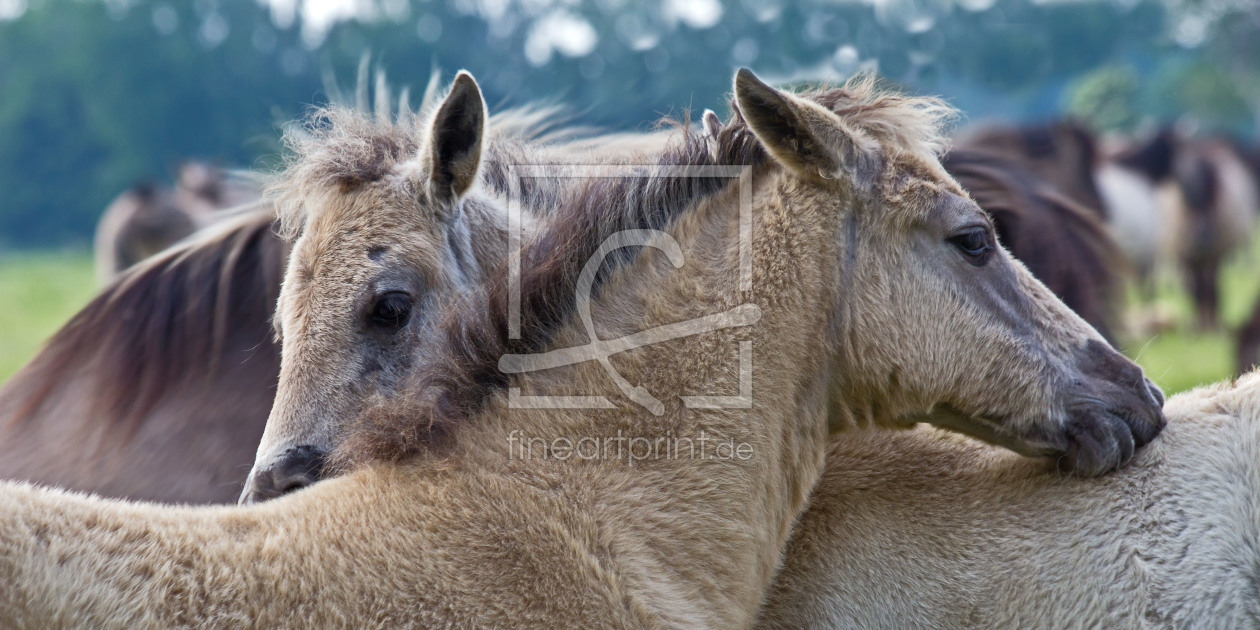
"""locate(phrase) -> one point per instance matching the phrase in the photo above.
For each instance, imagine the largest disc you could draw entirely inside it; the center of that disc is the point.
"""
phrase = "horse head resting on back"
(1002, 542)
(928, 318)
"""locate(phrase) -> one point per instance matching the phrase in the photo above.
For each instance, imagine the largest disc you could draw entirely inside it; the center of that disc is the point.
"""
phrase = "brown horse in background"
(159, 388)
(1062, 152)
(148, 218)
(1249, 334)
(1249, 341)
(141, 222)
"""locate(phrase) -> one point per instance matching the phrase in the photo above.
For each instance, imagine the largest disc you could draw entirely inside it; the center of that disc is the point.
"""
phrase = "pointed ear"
(804, 136)
(455, 139)
(712, 124)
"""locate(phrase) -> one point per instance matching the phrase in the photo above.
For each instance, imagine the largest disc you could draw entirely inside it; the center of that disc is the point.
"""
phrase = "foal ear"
(455, 139)
(804, 136)
(712, 124)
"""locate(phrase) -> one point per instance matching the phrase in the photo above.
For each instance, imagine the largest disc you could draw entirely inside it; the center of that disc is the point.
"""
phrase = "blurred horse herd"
(180, 351)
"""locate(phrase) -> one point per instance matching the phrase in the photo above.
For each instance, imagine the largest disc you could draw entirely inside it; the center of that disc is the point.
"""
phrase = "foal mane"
(460, 373)
(162, 324)
(337, 148)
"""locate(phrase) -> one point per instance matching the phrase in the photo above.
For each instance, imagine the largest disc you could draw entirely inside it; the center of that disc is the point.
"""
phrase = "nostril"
(289, 484)
(295, 469)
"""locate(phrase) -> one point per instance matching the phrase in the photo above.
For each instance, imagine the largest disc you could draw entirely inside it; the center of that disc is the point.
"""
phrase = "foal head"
(360, 283)
(936, 321)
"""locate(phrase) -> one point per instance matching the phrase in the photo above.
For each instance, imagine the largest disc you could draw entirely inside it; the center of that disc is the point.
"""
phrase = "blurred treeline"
(95, 95)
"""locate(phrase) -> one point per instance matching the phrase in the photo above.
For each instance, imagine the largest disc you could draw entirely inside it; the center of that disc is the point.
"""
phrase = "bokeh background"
(96, 95)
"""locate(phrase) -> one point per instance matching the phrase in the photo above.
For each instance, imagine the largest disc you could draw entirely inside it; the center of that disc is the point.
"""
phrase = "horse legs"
(1249, 341)
(1204, 288)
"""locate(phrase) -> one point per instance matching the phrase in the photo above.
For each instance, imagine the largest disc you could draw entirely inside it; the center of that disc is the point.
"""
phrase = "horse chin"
(991, 430)
(1096, 438)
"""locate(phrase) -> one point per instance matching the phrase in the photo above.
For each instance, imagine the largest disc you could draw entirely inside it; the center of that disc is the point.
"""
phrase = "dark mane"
(162, 323)
(1248, 152)
(1063, 243)
(1248, 354)
(1200, 181)
(144, 190)
(1063, 152)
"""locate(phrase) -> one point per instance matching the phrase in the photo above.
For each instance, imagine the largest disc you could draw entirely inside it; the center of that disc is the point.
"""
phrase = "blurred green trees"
(96, 94)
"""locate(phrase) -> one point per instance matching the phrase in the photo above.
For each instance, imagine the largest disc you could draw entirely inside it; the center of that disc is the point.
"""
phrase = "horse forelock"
(161, 325)
(334, 150)
(337, 148)
(900, 123)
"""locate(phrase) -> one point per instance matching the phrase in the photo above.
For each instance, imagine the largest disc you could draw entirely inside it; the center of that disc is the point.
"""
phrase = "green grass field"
(1181, 358)
(39, 292)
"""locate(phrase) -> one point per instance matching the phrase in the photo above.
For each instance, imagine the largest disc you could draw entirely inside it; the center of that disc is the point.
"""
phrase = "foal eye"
(391, 311)
(975, 243)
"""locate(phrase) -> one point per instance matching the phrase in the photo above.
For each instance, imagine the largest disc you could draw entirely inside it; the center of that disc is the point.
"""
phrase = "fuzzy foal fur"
(921, 529)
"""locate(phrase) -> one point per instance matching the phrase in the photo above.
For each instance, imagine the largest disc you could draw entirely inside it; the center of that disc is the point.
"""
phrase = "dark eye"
(391, 311)
(975, 243)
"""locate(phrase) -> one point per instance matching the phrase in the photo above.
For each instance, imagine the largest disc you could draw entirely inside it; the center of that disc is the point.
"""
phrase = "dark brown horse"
(1249, 334)
(160, 387)
(1249, 341)
(1062, 242)
(1061, 152)
(139, 223)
